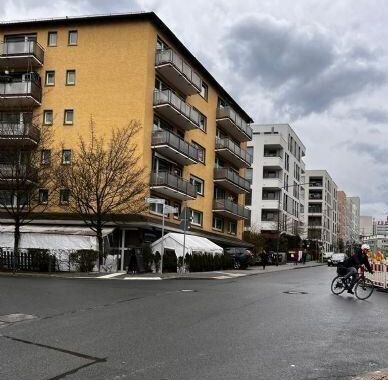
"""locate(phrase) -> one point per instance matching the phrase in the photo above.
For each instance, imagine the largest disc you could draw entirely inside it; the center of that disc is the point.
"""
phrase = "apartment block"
(353, 212)
(343, 217)
(277, 175)
(321, 208)
(366, 226)
(118, 68)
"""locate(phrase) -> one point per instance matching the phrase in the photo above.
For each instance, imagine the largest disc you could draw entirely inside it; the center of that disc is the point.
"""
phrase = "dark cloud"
(103, 6)
(303, 67)
(372, 115)
(375, 152)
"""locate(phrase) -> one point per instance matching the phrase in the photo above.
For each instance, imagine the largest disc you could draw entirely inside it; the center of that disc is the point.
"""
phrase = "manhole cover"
(18, 317)
(294, 292)
(188, 290)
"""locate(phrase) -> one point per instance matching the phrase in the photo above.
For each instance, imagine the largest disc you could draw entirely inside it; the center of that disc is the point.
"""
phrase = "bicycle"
(363, 287)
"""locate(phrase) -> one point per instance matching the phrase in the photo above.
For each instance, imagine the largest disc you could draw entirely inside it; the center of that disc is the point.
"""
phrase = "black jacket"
(359, 259)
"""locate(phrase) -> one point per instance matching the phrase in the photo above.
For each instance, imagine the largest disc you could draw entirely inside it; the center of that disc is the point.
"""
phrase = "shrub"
(157, 259)
(169, 261)
(41, 260)
(148, 257)
(84, 259)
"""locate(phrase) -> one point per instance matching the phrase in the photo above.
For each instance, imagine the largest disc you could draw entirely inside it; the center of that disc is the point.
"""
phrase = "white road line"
(235, 274)
(221, 277)
(110, 275)
(142, 278)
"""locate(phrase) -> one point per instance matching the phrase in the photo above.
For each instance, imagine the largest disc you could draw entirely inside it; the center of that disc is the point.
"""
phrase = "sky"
(320, 65)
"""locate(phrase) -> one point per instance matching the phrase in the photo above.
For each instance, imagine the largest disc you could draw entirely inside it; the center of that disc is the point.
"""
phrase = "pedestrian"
(264, 258)
(132, 262)
(304, 256)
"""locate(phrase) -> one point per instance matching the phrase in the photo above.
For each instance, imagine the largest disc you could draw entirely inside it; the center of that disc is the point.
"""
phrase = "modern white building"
(277, 196)
(366, 226)
(321, 214)
(380, 227)
(353, 213)
(376, 242)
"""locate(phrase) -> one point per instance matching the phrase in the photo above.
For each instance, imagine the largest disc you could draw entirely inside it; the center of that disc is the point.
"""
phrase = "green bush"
(84, 259)
(208, 262)
(169, 262)
(148, 257)
(156, 259)
(41, 260)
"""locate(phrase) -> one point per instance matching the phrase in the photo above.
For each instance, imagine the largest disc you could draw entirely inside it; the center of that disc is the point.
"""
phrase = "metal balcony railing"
(230, 113)
(21, 88)
(169, 56)
(167, 138)
(18, 130)
(162, 97)
(227, 143)
(174, 182)
(232, 176)
(22, 48)
(17, 172)
(232, 207)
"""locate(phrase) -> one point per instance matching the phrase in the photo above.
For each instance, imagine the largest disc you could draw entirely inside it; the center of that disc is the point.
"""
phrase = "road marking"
(235, 274)
(142, 278)
(110, 275)
(221, 277)
(18, 317)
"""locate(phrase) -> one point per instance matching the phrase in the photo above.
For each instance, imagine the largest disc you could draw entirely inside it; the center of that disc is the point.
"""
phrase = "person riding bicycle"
(353, 265)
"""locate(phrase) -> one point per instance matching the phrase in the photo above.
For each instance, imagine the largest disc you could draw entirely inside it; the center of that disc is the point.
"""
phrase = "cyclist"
(353, 265)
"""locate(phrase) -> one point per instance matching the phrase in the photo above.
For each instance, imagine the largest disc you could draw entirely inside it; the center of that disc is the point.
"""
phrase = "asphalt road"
(244, 328)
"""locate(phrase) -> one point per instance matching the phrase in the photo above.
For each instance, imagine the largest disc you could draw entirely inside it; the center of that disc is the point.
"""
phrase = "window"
(52, 38)
(249, 174)
(201, 152)
(70, 77)
(45, 157)
(66, 156)
(250, 150)
(73, 38)
(64, 196)
(232, 228)
(196, 218)
(43, 196)
(178, 206)
(218, 223)
(48, 117)
(204, 90)
(161, 45)
(248, 199)
(198, 184)
(50, 78)
(202, 121)
(69, 117)
(6, 198)
(157, 208)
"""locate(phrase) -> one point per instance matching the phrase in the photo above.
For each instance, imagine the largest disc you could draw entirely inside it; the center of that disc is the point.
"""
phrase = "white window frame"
(46, 113)
(196, 180)
(69, 72)
(43, 191)
(67, 121)
(66, 161)
(204, 90)
(47, 82)
(69, 39)
(45, 160)
(61, 192)
(230, 230)
(157, 208)
(215, 218)
(49, 42)
(201, 149)
(200, 214)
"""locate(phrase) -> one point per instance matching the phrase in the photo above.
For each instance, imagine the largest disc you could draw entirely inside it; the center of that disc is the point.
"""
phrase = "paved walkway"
(215, 275)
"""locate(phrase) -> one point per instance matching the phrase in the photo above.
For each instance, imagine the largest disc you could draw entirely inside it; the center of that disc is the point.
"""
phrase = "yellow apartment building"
(118, 68)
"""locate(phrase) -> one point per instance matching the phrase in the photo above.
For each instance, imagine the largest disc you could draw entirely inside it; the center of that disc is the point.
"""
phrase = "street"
(243, 328)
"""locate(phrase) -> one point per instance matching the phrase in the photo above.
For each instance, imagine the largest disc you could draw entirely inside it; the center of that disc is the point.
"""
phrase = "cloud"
(372, 115)
(303, 67)
(375, 152)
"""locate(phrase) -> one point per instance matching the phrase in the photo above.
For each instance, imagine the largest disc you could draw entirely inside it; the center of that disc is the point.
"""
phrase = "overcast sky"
(320, 65)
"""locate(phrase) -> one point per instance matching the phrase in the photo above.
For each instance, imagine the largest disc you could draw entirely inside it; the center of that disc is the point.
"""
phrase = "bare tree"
(26, 182)
(104, 179)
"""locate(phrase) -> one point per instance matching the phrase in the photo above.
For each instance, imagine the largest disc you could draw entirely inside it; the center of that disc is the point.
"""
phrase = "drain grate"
(17, 317)
(294, 292)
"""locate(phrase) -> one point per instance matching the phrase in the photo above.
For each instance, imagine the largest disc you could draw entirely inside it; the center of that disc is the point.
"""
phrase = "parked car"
(336, 258)
(242, 257)
(327, 255)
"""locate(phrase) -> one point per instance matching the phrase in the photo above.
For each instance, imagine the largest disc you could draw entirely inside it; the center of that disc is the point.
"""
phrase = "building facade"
(321, 208)
(353, 211)
(132, 67)
(342, 217)
(380, 227)
(366, 226)
(277, 195)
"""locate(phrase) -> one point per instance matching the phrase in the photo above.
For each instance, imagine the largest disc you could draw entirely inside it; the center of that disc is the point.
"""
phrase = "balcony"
(268, 225)
(18, 93)
(230, 151)
(315, 196)
(230, 209)
(172, 186)
(270, 204)
(232, 181)
(172, 67)
(272, 183)
(175, 110)
(233, 124)
(274, 162)
(17, 173)
(16, 132)
(21, 54)
(174, 148)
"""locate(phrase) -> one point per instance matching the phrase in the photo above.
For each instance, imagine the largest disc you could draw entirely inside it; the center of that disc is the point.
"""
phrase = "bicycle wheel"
(364, 288)
(337, 286)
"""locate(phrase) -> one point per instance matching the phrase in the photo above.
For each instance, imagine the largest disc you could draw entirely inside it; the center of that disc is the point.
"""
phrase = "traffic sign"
(170, 210)
(155, 200)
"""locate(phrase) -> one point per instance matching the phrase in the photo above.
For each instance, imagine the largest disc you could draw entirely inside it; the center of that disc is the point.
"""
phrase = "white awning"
(193, 244)
(51, 237)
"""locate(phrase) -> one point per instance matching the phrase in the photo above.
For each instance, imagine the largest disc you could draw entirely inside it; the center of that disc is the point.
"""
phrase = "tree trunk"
(100, 244)
(16, 245)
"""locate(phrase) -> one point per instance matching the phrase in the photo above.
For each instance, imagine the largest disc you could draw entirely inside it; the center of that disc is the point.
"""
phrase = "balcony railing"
(21, 89)
(232, 123)
(23, 174)
(171, 144)
(228, 145)
(317, 197)
(10, 131)
(174, 183)
(172, 65)
(19, 49)
(228, 207)
(231, 176)
(175, 109)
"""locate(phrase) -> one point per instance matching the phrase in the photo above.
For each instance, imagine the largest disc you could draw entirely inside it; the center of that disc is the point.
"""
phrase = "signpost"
(166, 210)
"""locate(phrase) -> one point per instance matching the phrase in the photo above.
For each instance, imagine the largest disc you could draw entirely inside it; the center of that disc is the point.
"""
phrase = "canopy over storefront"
(51, 237)
(193, 244)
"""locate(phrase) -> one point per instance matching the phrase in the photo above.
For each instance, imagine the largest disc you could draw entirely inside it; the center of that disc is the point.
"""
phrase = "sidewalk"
(216, 275)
